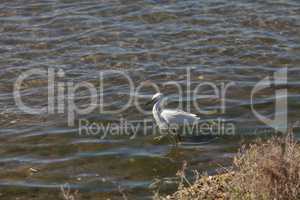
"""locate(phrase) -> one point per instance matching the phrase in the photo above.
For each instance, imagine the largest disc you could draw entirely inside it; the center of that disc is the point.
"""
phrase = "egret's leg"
(174, 135)
(164, 133)
(172, 140)
(178, 138)
(169, 136)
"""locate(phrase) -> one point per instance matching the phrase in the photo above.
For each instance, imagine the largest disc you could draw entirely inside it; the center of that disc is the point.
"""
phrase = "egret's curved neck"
(156, 112)
(156, 106)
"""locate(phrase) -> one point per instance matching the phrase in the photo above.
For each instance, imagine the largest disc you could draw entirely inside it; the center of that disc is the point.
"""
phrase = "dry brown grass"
(267, 170)
(262, 171)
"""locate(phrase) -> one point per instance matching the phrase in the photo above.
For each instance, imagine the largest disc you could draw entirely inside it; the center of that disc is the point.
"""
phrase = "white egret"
(168, 119)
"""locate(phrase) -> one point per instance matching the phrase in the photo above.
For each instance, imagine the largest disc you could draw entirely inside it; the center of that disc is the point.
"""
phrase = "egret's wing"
(178, 116)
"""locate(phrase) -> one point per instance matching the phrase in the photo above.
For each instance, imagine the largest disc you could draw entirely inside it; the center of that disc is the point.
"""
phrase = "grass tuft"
(261, 171)
(269, 170)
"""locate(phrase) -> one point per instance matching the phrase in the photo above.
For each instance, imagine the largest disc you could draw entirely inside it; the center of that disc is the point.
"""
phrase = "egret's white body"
(167, 118)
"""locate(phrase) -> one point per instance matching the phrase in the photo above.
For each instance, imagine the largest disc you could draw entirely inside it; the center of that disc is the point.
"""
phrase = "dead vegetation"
(261, 171)
(269, 170)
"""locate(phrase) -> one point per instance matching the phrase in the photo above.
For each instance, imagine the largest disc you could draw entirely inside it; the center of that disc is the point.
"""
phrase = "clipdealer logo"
(61, 95)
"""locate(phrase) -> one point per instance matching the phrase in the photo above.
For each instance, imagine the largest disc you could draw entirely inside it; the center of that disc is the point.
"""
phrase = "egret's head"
(157, 96)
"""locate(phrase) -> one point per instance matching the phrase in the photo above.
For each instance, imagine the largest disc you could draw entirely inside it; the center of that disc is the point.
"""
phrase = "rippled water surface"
(152, 41)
